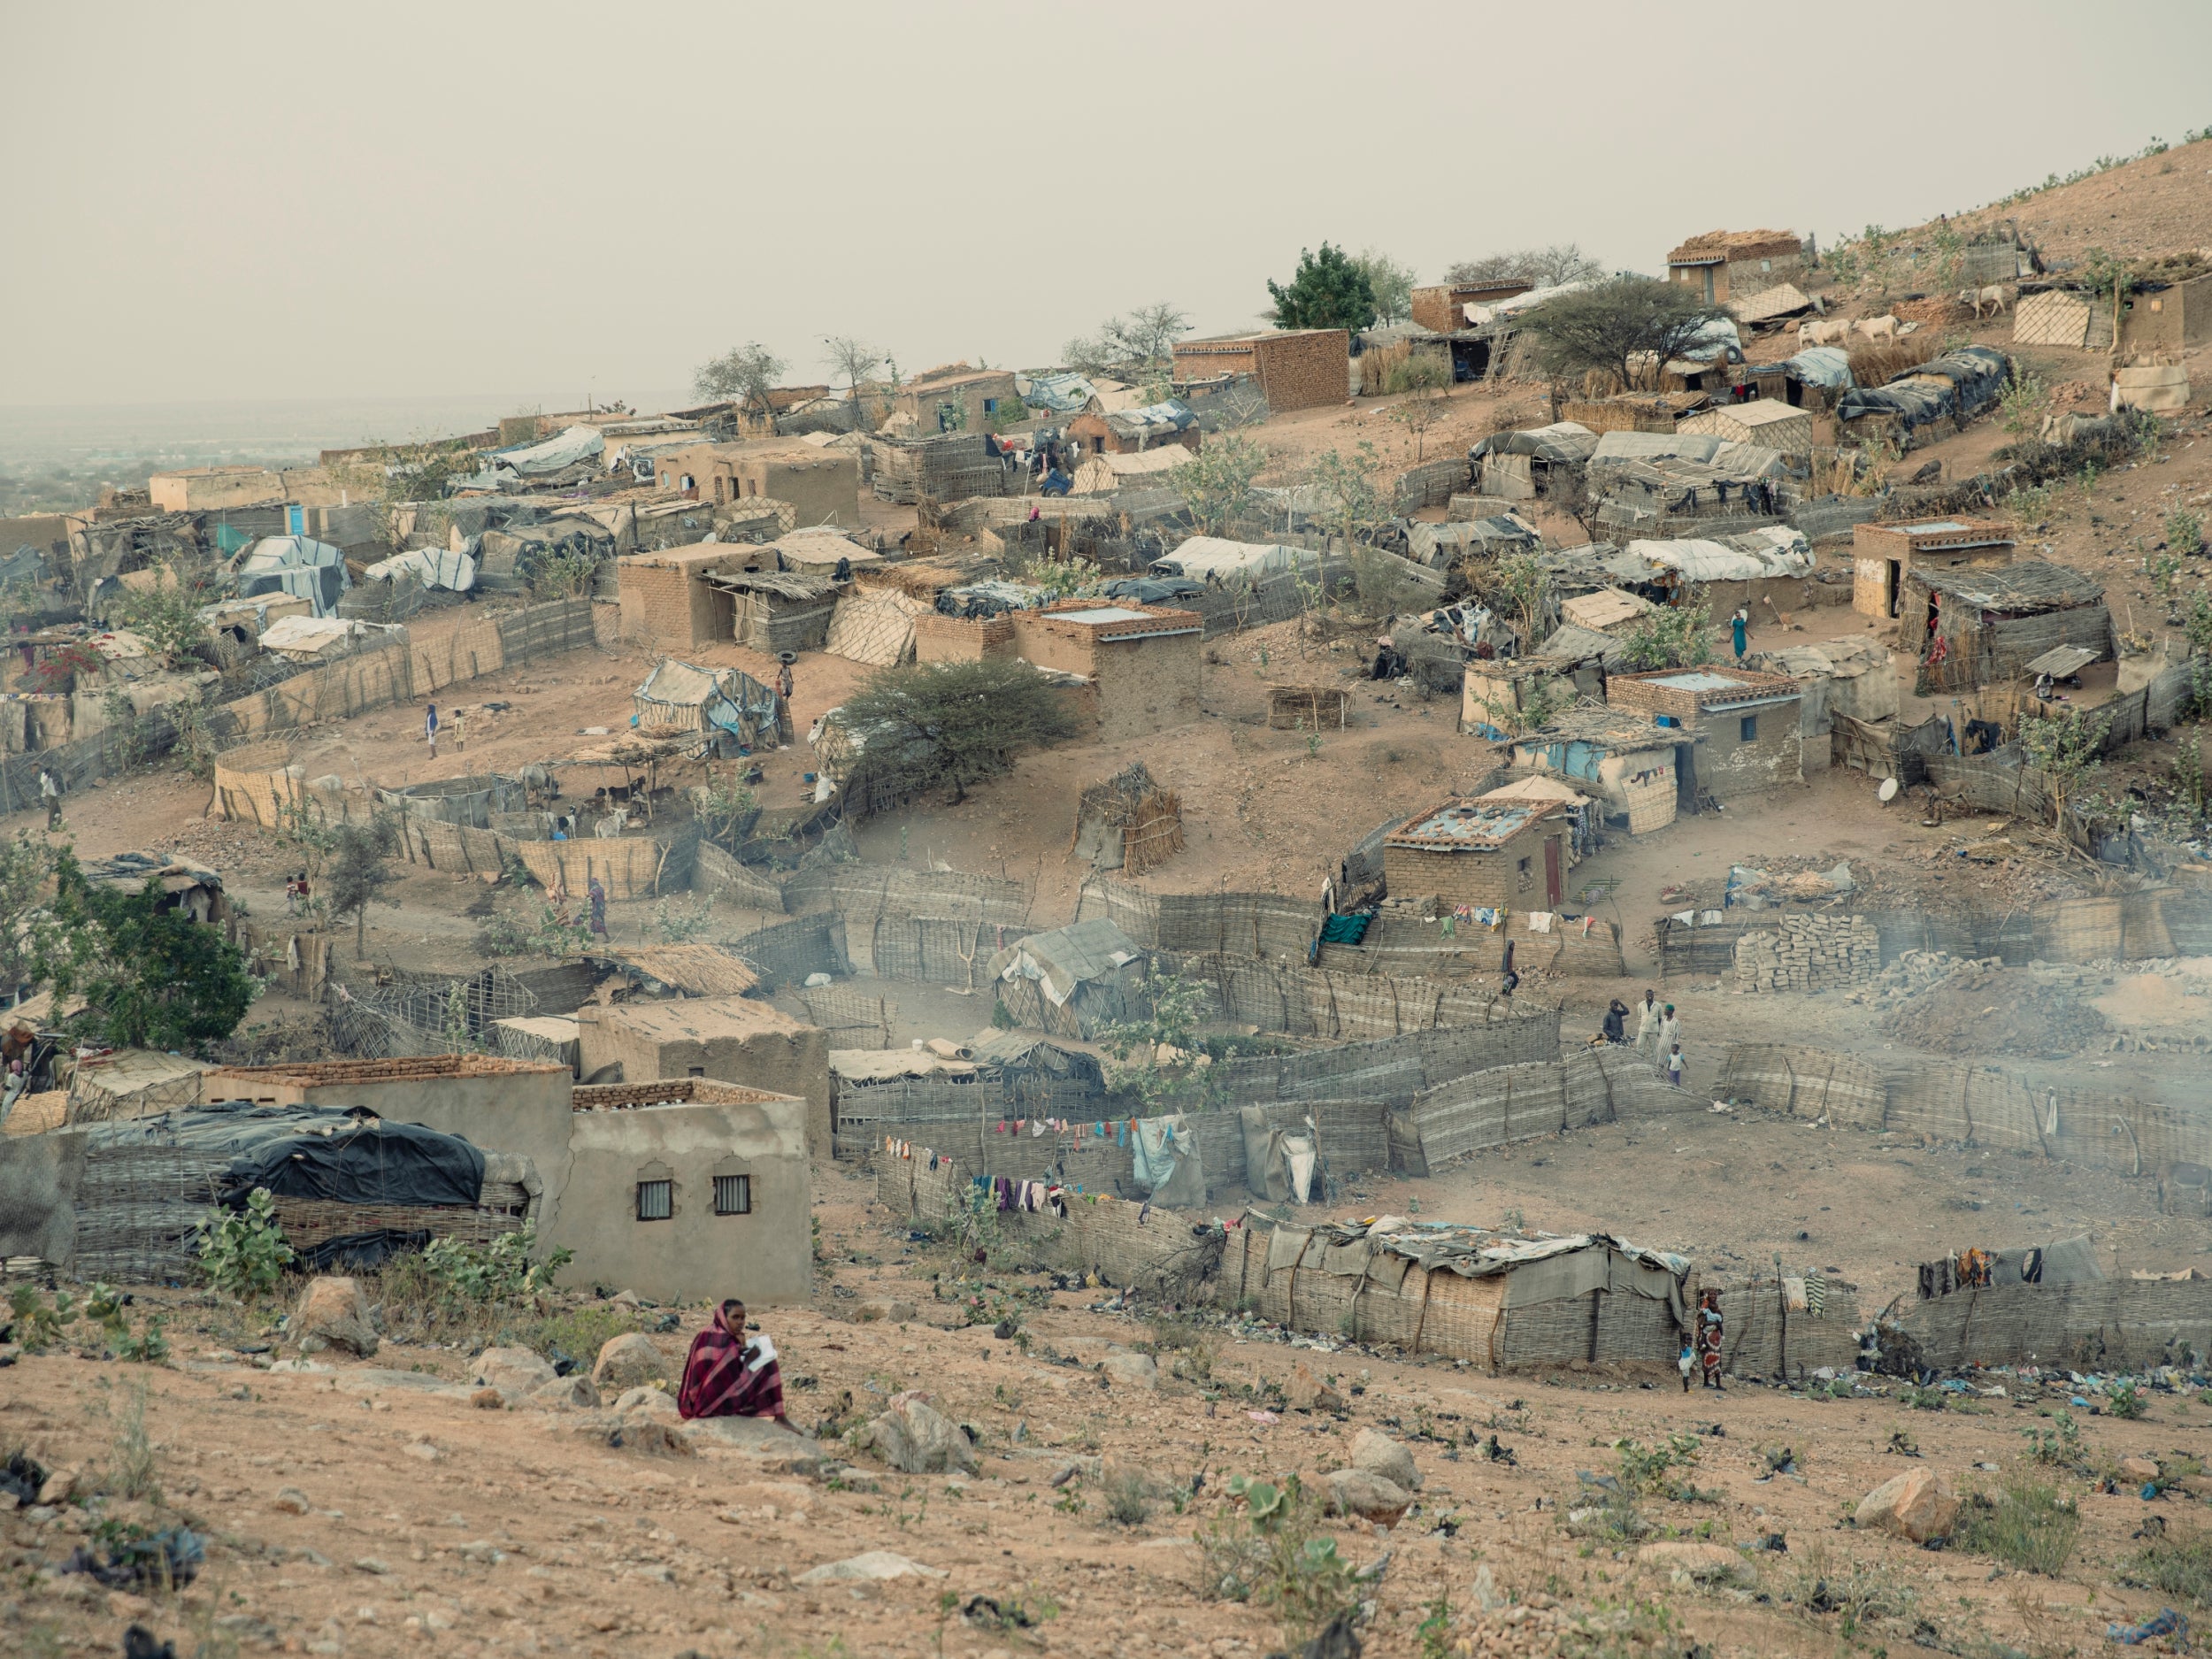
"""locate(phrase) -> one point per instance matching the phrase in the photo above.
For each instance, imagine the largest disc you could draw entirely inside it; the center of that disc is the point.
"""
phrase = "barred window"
(732, 1194)
(656, 1200)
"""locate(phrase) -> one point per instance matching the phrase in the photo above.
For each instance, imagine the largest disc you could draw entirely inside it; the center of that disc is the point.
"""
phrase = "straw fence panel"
(1801, 1082)
(2101, 1325)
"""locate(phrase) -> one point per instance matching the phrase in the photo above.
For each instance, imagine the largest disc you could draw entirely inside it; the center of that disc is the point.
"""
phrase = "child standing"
(1674, 1066)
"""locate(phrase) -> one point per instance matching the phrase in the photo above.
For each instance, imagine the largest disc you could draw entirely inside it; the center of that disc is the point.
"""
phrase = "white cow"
(1877, 328)
(1813, 334)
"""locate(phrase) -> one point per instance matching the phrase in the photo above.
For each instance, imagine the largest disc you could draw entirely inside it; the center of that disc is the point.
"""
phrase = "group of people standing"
(1658, 1032)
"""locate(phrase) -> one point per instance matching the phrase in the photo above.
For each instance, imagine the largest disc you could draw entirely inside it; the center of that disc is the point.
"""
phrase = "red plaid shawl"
(720, 1381)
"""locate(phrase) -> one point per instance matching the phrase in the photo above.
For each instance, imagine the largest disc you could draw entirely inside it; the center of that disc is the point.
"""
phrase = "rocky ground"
(393, 1503)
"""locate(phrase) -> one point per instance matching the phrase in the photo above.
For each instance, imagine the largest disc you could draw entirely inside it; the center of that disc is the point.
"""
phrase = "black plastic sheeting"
(346, 1155)
(1960, 383)
(363, 1252)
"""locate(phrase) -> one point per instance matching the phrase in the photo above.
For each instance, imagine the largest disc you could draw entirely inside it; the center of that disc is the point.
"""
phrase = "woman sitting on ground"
(727, 1375)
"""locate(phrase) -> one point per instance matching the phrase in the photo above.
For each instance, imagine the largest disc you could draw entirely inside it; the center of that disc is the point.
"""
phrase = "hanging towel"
(1539, 921)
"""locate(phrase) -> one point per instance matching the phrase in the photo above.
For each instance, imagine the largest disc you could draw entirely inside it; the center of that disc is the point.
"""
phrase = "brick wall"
(1494, 879)
(942, 639)
(1305, 369)
(665, 604)
(1808, 953)
(1728, 766)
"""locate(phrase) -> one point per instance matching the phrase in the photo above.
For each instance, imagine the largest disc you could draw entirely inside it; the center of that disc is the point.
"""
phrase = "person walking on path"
(49, 793)
(1670, 1034)
(1739, 630)
(430, 730)
(597, 895)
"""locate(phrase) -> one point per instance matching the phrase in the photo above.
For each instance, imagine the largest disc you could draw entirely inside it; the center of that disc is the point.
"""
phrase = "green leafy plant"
(538, 930)
(2125, 1401)
(2184, 531)
(2026, 1523)
(243, 1252)
(1217, 483)
(2059, 1446)
(166, 615)
(136, 1469)
(1860, 1593)
(2066, 746)
(1269, 1553)
(679, 922)
(1350, 493)
(1128, 1503)
(928, 725)
(37, 1323)
(1649, 1470)
(1673, 636)
(1617, 327)
(1330, 290)
(2025, 397)
(2177, 1563)
(502, 1270)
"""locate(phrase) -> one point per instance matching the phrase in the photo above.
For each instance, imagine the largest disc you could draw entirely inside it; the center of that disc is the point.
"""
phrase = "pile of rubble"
(1912, 974)
(1939, 1003)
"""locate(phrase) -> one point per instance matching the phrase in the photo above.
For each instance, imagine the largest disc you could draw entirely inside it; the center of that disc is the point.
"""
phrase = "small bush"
(1859, 1593)
(1126, 1504)
(135, 1472)
(1268, 1554)
(2027, 1524)
(2059, 1447)
(243, 1252)
(2185, 531)
(2125, 1401)
(2178, 1565)
(1648, 1471)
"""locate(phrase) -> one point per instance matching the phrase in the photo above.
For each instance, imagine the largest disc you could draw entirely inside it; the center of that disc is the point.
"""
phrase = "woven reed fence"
(1231, 923)
(628, 866)
(1519, 1102)
(1342, 1007)
(2099, 1326)
(784, 953)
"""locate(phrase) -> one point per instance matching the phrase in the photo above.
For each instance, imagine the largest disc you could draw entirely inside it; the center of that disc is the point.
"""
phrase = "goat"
(1997, 296)
(1877, 328)
(2189, 1182)
(1813, 334)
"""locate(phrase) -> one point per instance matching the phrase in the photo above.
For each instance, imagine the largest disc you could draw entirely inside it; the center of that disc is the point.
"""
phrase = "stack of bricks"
(1808, 953)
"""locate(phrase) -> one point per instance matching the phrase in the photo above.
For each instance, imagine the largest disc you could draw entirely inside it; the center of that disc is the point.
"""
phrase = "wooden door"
(1551, 872)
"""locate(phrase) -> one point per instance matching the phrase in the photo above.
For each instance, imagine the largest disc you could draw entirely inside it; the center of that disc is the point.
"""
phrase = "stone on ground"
(1309, 1393)
(1369, 1496)
(875, 1564)
(916, 1439)
(1134, 1369)
(1915, 1505)
(334, 1314)
(627, 1361)
(1378, 1455)
(514, 1371)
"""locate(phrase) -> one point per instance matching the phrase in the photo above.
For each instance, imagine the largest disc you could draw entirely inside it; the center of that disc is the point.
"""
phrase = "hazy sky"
(247, 200)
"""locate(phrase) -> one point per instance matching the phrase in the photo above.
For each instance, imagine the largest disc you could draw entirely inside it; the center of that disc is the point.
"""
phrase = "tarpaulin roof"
(555, 454)
(988, 598)
(727, 697)
(1214, 558)
(344, 1154)
(431, 567)
(1513, 305)
(1065, 958)
(1751, 557)
(1819, 365)
(1562, 440)
(1154, 421)
(1063, 394)
(296, 565)
(1959, 383)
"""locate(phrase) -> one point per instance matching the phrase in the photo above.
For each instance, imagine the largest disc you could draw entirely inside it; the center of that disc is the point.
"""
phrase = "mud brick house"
(1144, 661)
(688, 1188)
(957, 398)
(1443, 307)
(1977, 626)
(1747, 725)
(1296, 368)
(1136, 431)
(1883, 554)
(728, 1039)
(667, 600)
(822, 486)
(1507, 854)
(1722, 264)
(1625, 760)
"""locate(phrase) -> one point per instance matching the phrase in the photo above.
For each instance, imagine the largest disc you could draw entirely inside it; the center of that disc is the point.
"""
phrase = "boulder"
(1378, 1455)
(290, 1500)
(1915, 1505)
(626, 1361)
(334, 1314)
(1704, 1563)
(916, 1439)
(877, 1564)
(1131, 1369)
(648, 1402)
(1369, 1496)
(514, 1371)
(2138, 1469)
(59, 1487)
(571, 1392)
(1309, 1393)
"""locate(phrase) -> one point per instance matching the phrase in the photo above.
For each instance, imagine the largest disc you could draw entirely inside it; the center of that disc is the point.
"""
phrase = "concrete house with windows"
(823, 486)
(957, 398)
(1746, 725)
(727, 1039)
(1884, 555)
(1487, 853)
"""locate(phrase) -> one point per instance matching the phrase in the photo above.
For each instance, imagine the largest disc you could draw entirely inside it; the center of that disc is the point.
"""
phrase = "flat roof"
(1460, 826)
(697, 1019)
(1101, 613)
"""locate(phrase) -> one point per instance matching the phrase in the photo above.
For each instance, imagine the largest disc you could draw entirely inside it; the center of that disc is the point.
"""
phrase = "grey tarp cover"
(294, 564)
(555, 454)
(1725, 456)
(1564, 441)
(431, 567)
(1065, 958)
(344, 1154)
(1959, 383)
(1026, 1051)
(728, 697)
(1819, 365)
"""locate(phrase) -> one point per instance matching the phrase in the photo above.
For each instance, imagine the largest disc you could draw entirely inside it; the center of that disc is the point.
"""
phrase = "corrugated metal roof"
(1480, 826)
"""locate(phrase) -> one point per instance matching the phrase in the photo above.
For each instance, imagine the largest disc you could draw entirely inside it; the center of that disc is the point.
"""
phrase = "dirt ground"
(430, 1523)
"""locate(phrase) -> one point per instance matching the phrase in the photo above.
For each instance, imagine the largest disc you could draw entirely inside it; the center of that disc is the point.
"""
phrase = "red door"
(1551, 873)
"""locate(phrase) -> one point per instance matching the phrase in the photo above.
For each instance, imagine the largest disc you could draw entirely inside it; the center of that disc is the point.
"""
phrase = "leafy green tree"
(1390, 283)
(1610, 327)
(243, 1252)
(1216, 484)
(1330, 291)
(924, 725)
(1673, 636)
(151, 975)
(25, 866)
(743, 375)
(1350, 488)
(358, 871)
(166, 616)
(2065, 746)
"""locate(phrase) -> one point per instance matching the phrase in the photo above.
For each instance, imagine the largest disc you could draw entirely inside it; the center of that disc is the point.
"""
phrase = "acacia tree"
(924, 725)
(1146, 337)
(856, 363)
(743, 375)
(1216, 484)
(2065, 746)
(1389, 282)
(1329, 291)
(358, 873)
(1351, 495)
(1540, 267)
(1610, 327)
(1426, 384)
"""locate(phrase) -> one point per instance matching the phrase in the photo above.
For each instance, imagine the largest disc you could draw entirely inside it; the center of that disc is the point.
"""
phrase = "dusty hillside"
(2156, 204)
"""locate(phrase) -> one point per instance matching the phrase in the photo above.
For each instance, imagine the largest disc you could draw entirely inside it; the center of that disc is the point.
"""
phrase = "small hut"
(779, 610)
(681, 694)
(1071, 981)
(1128, 823)
(1980, 626)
